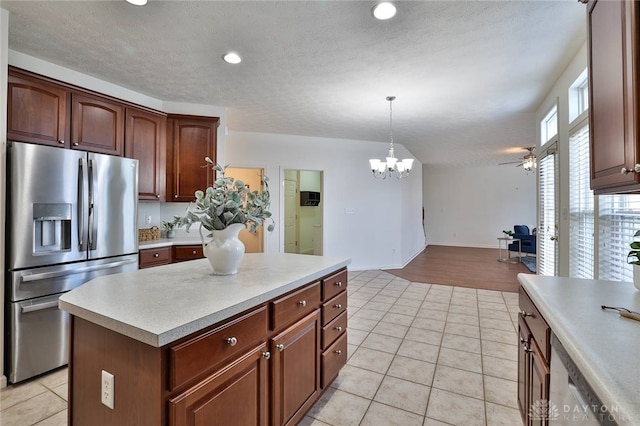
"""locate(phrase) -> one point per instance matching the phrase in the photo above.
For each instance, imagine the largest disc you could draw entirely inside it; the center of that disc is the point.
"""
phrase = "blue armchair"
(527, 240)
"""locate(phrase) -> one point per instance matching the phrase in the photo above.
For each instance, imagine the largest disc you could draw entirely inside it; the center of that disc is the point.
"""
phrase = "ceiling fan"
(528, 161)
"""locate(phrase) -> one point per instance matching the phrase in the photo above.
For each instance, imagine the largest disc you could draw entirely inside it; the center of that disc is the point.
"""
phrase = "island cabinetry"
(145, 140)
(97, 124)
(189, 140)
(154, 257)
(190, 252)
(37, 111)
(534, 335)
(614, 98)
(334, 326)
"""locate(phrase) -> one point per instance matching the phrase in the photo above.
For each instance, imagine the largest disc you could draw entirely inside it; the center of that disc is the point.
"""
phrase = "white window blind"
(547, 215)
(619, 219)
(581, 213)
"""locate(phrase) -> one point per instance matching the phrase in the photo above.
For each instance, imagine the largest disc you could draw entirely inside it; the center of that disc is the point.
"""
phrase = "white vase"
(636, 276)
(225, 250)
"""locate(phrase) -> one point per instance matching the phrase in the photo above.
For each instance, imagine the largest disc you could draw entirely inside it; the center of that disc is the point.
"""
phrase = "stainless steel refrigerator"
(71, 217)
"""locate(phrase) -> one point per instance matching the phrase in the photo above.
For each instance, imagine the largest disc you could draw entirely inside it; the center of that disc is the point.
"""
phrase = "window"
(581, 213)
(619, 218)
(549, 125)
(579, 96)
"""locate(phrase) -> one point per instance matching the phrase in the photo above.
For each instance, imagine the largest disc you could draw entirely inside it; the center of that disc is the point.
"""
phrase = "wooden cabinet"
(97, 124)
(37, 111)
(183, 253)
(533, 360)
(145, 140)
(295, 370)
(190, 140)
(154, 257)
(614, 98)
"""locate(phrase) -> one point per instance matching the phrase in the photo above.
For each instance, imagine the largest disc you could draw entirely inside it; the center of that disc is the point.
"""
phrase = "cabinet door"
(523, 371)
(539, 386)
(296, 373)
(192, 139)
(145, 140)
(37, 111)
(612, 110)
(97, 124)
(237, 394)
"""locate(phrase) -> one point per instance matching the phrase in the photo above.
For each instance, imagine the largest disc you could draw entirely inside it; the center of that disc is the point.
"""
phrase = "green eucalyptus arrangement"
(634, 254)
(227, 202)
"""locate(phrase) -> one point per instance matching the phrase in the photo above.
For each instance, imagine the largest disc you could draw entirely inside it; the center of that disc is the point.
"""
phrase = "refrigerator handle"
(39, 307)
(79, 270)
(81, 201)
(92, 231)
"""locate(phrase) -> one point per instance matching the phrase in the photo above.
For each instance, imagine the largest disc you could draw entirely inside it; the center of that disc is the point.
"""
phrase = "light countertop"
(604, 346)
(160, 305)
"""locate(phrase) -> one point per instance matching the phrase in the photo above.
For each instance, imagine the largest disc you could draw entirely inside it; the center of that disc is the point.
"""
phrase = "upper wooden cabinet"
(614, 99)
(190, 140)
(98, 124)
(37, 111)
(145, 140)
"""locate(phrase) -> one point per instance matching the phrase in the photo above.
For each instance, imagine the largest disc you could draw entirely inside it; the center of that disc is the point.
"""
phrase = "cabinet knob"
(338, 329)
(156, 254)
(266, 355)
(302, 303)
(635, 169)
(157, 195)
(76, 144)
(280, 347)
(338, 306)
(61, 142)
(527, 349)
(232, 341)
(525, 314)
(175, 196)
(339, 284)
(522, 340)
(194, 252)
(339, 352)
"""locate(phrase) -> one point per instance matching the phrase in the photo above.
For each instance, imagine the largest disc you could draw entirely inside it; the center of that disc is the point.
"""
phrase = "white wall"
(365, 219)
(471, 206)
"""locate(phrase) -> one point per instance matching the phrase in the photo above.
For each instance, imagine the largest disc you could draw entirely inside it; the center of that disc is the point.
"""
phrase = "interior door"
(290, 215)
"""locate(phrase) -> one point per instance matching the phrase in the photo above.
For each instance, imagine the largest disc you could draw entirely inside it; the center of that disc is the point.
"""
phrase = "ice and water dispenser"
(51, 228)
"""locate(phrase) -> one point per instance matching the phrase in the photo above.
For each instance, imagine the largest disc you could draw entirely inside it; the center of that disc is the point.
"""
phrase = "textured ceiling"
(468, 75)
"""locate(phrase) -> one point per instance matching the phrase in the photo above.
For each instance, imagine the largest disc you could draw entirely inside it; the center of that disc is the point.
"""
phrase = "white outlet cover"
(106, 390)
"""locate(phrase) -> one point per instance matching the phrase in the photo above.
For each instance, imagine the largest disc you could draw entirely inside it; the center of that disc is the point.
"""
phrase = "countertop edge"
(591, 371)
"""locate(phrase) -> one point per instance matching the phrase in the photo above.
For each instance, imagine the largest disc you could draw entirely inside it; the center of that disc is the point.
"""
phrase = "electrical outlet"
(107, 389)
(148, 220)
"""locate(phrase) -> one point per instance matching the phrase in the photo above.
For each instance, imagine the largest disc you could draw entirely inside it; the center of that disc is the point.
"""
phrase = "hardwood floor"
(462, 266)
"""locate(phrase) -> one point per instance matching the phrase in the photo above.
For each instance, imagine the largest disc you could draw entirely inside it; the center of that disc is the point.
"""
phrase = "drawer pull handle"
(525, 314)
(266, 355)
(339, 352)
(280, 347)
(156, 254)
(338, 329)
(339, 284)
(232, 341)
(302, 303)
(194, 252)
(338, 306)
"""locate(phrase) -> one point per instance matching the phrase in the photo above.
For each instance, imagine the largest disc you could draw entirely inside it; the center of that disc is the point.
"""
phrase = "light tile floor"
(419, 354)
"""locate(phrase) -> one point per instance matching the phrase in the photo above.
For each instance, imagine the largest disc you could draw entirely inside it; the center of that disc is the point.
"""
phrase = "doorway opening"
(303, 212)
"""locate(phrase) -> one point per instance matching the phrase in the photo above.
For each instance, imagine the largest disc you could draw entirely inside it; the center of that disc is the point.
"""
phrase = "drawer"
(333, 359)
(334, 307)
(294, 306)
(182, 253)
(335, 328)
(540, 330)
(334, 284)
(155, 257)
(201, 354)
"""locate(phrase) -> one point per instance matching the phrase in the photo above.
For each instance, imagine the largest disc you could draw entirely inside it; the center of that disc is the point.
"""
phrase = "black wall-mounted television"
(309, 198)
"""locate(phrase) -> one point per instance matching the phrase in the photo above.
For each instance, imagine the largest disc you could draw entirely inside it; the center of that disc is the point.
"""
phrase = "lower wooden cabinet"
(235, 394)
(183, 253)
(154, 257)
(295, 369)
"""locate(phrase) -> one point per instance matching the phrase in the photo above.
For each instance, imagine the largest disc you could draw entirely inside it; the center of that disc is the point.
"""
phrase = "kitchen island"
(604, 346)
(187, 347)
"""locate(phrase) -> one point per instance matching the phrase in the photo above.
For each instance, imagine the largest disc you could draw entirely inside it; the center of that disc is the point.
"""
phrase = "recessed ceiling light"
(137, 2)
(232, 58)
(385, 10)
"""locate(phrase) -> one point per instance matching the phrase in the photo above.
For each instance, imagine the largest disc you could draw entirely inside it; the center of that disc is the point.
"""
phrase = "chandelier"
(392, 166)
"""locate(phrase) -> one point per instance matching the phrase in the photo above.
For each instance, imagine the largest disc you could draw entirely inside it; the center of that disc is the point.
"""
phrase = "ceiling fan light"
(383, 11)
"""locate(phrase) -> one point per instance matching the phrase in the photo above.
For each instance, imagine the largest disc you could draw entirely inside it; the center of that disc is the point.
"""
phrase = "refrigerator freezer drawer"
(39, 337)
